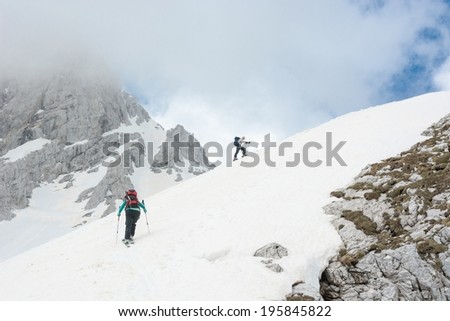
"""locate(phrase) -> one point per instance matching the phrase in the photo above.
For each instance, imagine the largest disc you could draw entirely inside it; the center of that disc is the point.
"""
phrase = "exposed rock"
(302, 291)
(394, 222)
(111, 187)
(66, 178)
(272, 251)
(275, 267)
(79, 113)
(180, 150)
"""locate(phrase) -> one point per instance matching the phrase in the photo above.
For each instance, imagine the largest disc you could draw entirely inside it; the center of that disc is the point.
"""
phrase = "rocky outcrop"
(271, 252)
(395, 225)
(179, 151)
(79, 114)
(66, 109)
(74, 112)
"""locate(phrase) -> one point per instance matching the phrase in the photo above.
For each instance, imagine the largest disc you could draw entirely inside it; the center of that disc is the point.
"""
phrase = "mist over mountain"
(64, 128)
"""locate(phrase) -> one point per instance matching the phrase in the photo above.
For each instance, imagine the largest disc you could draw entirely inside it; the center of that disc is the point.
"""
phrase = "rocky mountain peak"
(66, 108)
(56, 125)
(180, 149)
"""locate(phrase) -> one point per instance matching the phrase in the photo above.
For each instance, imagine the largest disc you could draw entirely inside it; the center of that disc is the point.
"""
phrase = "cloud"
(231, 67)
(442, 77)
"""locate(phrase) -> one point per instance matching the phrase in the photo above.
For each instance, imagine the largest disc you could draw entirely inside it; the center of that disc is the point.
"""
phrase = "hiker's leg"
(237, 152)
(135, 219)
(128, 224)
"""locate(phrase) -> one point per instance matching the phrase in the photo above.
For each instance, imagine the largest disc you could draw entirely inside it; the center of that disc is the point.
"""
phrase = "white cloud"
(228, 67)
(442, 77)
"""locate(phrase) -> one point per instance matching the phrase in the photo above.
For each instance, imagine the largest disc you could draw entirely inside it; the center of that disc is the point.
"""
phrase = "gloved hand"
(118, 214)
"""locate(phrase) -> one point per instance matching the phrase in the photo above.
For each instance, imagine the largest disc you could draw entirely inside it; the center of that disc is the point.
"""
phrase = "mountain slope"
(205, 231)
(395, 225)
(57, 132)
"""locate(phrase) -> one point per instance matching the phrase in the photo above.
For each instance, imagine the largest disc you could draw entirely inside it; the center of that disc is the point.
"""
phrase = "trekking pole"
(148, 227)
(117, 232)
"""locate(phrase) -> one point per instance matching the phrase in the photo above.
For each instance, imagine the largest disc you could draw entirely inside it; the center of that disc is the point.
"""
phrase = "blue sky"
(230, 67)
(416, 76)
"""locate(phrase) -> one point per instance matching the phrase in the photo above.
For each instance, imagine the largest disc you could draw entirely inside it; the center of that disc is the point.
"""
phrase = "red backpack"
(131, 198)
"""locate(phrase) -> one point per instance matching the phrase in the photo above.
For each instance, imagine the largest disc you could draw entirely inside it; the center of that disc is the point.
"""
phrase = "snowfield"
(53, 208)
(25, 149)
(204, 232)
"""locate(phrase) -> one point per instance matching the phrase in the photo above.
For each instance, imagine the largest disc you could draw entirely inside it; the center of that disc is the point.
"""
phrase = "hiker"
(240, 143)
(132, 208)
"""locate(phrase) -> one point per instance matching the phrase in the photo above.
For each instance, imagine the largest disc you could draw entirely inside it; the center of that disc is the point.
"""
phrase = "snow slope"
(48, 217)
(205, 231)
(25, 149)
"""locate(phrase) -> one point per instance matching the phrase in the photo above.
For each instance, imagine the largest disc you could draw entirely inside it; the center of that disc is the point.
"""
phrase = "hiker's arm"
(143, 207)
(121, 207)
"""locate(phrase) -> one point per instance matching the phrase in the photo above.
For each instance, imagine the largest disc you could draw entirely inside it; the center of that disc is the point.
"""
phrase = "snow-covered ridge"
(205, 231)
(77, 144)
(22, 151)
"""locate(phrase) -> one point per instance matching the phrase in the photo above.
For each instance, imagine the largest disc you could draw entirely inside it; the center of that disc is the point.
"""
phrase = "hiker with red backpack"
(132, 208)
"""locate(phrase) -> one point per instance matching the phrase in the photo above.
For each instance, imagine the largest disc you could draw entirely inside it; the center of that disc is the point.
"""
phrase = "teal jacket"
(131, 208)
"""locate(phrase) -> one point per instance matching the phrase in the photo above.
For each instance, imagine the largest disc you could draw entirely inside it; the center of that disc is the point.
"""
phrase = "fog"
(233, 67)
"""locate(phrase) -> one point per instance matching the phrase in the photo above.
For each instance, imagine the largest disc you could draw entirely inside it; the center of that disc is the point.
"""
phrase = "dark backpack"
(236, 141)
(131, 198)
